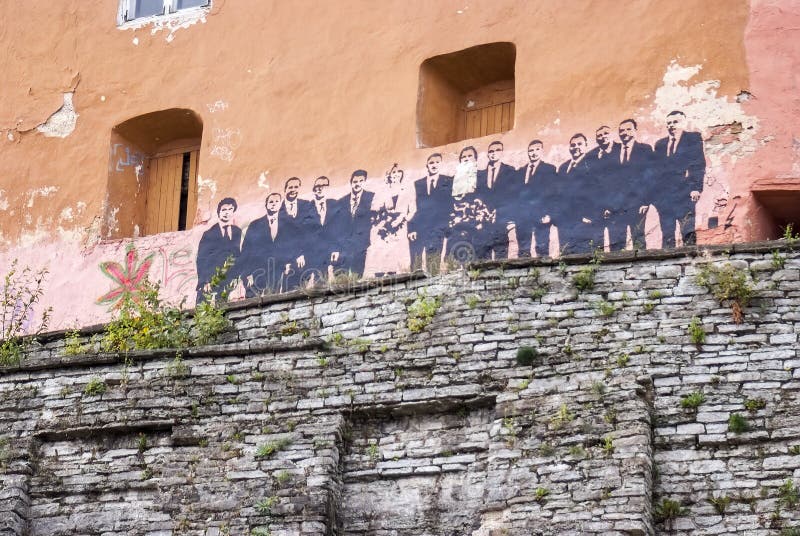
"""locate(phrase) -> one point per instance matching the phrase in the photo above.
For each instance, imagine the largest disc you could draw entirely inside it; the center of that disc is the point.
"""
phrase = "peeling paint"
(112, 223)
(62, 122)
(170, 23)
(729, 132)
(262, 180)
(206, 184)
(40, 192)
(795, 173)
(3, 200)
(219, 106)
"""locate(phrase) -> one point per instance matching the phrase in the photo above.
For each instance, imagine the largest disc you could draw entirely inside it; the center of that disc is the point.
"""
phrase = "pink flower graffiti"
(130, 277)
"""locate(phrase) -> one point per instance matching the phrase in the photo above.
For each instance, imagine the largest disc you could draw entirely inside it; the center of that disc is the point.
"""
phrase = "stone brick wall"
(325, 414)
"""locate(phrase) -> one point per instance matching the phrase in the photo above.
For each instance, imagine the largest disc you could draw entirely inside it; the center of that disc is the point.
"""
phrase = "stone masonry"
(323, 413)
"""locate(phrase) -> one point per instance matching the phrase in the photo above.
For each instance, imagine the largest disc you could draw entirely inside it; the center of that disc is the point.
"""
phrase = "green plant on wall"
(789, 494)
(720, 503)
(584, 278)
(72, 343)
(728, 285)
(526, 356)
(696, 332)
(667, 511)
(21, 292)
(145, 322)
(95, 387)
(421, 312)
(738, 424)
(693, 400)
(265, 506)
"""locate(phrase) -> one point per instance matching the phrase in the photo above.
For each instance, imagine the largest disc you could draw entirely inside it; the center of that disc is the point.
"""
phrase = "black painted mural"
(469, 216)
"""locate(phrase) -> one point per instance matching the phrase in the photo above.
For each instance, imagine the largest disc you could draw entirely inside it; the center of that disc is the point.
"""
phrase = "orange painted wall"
(307, 88)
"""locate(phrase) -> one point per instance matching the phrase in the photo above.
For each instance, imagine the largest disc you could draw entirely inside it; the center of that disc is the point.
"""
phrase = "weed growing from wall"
(22, 290)
(421, 312)
(693, 400)
(584, 279)
(95, 387)
(668, 510)
(268, 449)
(789, 494)
(728, 285)
(696, 332)
(526, 356)
(738, 424)
(145, 322)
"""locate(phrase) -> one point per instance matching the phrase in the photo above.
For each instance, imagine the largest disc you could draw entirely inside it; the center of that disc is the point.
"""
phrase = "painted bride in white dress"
(392, 207)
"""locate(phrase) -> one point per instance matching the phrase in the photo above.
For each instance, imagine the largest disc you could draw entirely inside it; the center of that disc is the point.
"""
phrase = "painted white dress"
(389, 251)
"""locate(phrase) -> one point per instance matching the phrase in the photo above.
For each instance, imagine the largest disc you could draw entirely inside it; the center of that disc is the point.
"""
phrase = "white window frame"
(128, 7)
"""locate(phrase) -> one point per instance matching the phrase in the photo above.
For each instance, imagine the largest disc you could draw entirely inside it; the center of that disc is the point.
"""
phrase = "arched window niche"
(152, 174)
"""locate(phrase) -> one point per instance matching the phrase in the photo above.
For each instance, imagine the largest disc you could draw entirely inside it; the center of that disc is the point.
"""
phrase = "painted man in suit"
(625, 204)
(263, 261)
(354, 220)
(536, 185)
(607, 149)
(434, 200)
(577, 191)
(604, 161)
(316, 233)
(293, 213)
(495, 187)
(682, 167)
(220, 242)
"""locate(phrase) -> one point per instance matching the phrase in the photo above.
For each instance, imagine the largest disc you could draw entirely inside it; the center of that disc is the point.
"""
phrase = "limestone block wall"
(327, 414)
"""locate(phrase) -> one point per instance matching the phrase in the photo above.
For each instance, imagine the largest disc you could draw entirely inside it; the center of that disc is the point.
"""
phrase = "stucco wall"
(276, 102)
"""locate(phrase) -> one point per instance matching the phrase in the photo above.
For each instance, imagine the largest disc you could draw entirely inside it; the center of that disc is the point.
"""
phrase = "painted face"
(273, 203)
(226, 213)
(396, 176)
(675, 124)
(535, 152)
(495, 152)
(319, 188)
(577, 147)
(627, 132)
(357, 183)
(468, 156)
(433, 165)
(291, 190)
(603, 137)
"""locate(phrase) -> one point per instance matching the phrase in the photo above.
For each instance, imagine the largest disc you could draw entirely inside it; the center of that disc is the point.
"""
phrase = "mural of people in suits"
(353, 224)
(575, 214)
(293, 214)
(467, 216)
(315, 232)
(680, 165)
(428, 225)
(264, 260)
(536, 182)
(625, 206)
(470, 217)
(219, 243)
(496, 188)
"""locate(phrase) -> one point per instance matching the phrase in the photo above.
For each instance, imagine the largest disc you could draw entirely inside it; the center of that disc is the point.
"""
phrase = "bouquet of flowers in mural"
(388, 222)
(130, 278)
(472, 213)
